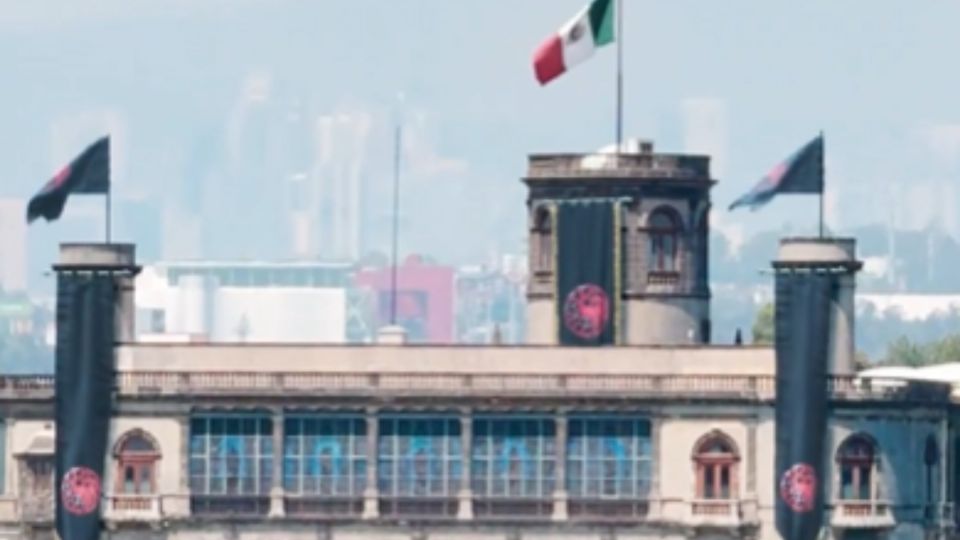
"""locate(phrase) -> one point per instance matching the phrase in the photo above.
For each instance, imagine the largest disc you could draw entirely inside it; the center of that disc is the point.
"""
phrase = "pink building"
(424, 299)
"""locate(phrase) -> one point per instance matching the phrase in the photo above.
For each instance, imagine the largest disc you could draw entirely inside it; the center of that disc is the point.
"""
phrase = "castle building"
(661, 436)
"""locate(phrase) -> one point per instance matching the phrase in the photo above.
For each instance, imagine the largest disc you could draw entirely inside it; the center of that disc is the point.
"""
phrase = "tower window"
(664, 232)
(542, 241)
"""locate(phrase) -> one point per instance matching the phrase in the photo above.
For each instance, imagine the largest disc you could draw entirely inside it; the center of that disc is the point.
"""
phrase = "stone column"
(751, 459)
(276, 488)
(371, 495)
(655, 504)
(465, 496)
(943, 467)
(560, 489)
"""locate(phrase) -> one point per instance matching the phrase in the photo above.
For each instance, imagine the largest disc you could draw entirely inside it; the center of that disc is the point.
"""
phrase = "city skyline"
(746, 97)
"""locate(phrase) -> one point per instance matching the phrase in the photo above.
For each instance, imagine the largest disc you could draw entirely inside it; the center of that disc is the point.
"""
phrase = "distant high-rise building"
(705, 131)
(332, 205)
(13, 245)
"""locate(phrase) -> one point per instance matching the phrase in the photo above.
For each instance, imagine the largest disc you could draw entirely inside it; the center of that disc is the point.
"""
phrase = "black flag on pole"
(88, 173)
(83, 384)
(587, 267)
(803, 302)
(802, 172)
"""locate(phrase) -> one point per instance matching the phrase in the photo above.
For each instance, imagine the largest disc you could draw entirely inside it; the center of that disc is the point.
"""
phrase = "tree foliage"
(904, 352)
(763, 326)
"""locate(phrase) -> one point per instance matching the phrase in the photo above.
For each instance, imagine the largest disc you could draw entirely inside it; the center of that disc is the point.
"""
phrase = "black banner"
(89, 173)
(84, 387)
(588, 296)
(803, 302)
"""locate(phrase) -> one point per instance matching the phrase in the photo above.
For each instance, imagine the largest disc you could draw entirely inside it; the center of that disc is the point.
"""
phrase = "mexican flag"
(575, 41)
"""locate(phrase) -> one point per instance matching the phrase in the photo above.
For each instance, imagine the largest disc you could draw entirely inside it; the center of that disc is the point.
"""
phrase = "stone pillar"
(943, 467)
(751, 461)
(656, 458)
(560, 495)
(276, 489)
(371, 495)
(838, 257)
(177, 504)
(465, 496)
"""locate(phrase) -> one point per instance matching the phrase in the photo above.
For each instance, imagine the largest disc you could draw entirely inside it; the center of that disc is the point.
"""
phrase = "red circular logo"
(798, 487)
(80, 491)
(586, 311)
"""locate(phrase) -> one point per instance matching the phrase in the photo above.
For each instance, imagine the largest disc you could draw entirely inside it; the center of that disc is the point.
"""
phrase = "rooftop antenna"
(397, 138)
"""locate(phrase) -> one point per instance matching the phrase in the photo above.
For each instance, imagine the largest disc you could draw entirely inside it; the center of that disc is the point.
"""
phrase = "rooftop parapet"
(609, 165)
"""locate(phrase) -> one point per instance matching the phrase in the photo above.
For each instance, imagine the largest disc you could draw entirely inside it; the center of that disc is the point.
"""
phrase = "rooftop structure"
(661, 436)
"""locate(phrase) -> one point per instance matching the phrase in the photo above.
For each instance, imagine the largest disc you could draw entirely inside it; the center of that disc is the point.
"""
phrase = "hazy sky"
(748, 80)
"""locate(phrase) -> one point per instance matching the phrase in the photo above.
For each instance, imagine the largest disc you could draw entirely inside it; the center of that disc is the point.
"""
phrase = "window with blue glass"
(231, 454)
(324, 455)
(419, 456)
(513, 457)
(608, 457)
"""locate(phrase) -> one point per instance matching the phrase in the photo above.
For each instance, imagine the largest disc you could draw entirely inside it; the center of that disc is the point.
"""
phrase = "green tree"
(763, 326)
(903, 352)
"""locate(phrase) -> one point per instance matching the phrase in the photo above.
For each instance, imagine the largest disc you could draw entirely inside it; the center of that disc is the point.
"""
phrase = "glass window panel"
(240, 446)
(329, 449)
(510, 456)
(846, 483)
(602, 457)
(146, 483)
(418, 461)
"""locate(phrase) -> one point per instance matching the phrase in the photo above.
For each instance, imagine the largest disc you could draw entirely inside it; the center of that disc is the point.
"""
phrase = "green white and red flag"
(576, 41)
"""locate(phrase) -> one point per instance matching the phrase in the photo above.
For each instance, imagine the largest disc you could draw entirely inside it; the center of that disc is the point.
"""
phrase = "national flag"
(88, 173)
(800, 173)
(576, 41)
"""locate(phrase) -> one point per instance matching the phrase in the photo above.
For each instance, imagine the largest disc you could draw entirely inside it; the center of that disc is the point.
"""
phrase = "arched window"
(715, 458)
(543, 240)
(857, 461)
(137, 455)
(663, 228)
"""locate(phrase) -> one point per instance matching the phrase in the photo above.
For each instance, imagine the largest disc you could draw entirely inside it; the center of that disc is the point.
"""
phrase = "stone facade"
(685, 395)
(665, 291)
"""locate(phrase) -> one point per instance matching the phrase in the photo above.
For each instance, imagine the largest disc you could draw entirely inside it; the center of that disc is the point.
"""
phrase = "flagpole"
(619, 38)
(823, 177)
(396, 218)
(109, 211)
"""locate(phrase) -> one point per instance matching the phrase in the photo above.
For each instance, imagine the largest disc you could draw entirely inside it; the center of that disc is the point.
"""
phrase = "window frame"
(486, 484)
(543, 236)
(139, 462)
(587, 455)
(711, 466)
(351, 444)
(663, 238)
(858, 466)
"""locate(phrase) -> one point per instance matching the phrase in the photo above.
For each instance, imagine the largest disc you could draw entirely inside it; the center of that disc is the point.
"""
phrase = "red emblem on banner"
(80, 491)
(798, 487)
(586, 311)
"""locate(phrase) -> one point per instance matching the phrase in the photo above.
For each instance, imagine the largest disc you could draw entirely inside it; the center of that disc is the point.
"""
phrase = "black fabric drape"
(587, 295)
(803, 302)
(84, 388)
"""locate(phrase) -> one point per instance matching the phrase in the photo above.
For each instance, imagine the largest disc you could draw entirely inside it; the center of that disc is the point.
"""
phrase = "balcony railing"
(862, 514)
(712, 508)
(655, 386)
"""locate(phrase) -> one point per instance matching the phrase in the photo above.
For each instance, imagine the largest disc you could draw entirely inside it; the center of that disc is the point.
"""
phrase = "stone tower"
(664, 243)
(837, 256)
